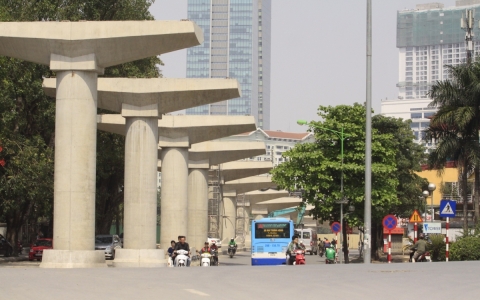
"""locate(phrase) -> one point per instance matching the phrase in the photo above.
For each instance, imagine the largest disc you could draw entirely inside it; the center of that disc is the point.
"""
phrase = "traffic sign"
(336, 227)
(415, 218)
(448, 208)
(435, 227)
(389, 222)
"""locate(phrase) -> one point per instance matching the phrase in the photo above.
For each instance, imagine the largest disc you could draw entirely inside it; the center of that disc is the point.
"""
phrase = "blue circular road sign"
(389, 222)
(336, 227)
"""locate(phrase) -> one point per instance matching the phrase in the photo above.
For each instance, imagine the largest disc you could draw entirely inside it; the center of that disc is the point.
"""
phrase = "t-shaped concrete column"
(78, 51)
(230, 191)
(252, 198)
(201, 157)
(142, 102)
(176, 134)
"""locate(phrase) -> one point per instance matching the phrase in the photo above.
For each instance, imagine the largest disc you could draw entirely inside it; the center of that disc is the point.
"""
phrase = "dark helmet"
(294, 237)
(421, 236)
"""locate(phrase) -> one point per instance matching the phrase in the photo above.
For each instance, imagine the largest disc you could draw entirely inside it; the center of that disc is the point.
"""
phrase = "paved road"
(354, 281)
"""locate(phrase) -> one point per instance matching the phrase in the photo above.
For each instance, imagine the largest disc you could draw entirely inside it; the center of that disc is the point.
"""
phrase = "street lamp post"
(342, 136)
(431, 188)
(425, 195)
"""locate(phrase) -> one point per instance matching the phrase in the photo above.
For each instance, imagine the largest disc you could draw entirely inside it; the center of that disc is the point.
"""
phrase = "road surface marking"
(196, 292)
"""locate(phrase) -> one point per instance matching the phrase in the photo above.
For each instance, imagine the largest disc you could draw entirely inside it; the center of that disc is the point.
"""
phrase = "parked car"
(218, 242)
(108, 243)
(36, 249)
(5, 248)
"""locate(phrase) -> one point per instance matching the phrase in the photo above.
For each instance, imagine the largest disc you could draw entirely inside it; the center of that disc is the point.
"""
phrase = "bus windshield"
(272, 230)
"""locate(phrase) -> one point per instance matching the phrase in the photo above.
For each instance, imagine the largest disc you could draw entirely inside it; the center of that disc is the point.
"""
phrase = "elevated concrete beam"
(255, 197)
(186, 130)
(78, 51)
(244, 185)
(113, 42)
(220, 152)
(170, 94)
(242, 169)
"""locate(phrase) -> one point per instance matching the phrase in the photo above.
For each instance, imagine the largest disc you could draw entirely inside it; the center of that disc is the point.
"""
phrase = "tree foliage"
(316, 167)
(455, 126)
(27, 124)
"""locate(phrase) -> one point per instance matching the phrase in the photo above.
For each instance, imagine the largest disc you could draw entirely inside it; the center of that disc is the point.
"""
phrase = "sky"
(318, 54)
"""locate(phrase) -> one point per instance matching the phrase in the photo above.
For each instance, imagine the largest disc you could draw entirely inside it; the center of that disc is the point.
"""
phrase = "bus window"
(272, 230)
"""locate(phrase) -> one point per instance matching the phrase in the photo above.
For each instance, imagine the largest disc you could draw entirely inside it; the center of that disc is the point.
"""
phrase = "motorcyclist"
(321, 247)
(294, 245)
(205, 249)
(214, 247)
(420, 246)
(330, 253)
(232, 243)
(181, 245)
(326, 244)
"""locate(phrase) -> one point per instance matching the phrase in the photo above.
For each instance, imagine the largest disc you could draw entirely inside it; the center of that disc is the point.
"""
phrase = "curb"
(13, 259)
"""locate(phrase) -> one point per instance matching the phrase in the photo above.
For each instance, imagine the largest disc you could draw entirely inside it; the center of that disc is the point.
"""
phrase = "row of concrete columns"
(78, 52)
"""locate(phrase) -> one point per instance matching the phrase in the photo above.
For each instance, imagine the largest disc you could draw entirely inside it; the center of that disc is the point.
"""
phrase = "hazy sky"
(318, 54)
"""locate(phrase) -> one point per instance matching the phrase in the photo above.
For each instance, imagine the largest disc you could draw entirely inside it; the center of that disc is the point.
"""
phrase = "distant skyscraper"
(429, 38)
(236, 45)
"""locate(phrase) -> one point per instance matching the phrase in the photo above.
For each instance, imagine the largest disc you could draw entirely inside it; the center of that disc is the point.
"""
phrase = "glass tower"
(236, 45)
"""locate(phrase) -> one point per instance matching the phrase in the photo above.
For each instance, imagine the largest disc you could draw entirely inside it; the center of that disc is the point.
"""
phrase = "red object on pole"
(447, 226)
(336, 246)
(415, 228)
(389, 247)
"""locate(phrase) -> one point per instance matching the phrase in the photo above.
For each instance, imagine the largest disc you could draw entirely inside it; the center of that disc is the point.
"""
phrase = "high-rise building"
(429, 38)
(236, 45)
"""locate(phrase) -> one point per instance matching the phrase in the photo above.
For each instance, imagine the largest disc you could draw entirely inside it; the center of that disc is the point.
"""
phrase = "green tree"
(455, 126)
(27, 117)
(316, 168)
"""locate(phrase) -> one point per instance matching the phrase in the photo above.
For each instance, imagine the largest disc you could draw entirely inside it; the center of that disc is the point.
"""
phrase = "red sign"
(397, 230)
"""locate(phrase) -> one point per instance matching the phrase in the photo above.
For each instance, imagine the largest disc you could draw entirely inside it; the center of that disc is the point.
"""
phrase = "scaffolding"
(242, 219)
(214, 200)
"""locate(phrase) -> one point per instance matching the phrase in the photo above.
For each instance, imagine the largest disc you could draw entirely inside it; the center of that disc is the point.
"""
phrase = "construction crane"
(280, 212)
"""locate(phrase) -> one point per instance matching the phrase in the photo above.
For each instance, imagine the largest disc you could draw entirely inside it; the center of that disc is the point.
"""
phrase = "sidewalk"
(21, 257)
(396, 258)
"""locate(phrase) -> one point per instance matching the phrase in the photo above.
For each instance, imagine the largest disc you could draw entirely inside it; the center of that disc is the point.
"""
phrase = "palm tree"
(455, 126)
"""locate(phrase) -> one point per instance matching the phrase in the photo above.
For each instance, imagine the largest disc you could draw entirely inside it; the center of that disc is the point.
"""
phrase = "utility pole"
(367, 239)
(466, 23)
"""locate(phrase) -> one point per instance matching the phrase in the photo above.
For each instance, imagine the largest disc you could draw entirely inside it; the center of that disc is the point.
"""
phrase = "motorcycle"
(299, 257)
(231, 250)
(425, 257)
(214, 254)
(181, 259)
(321, 251)
(206, 259)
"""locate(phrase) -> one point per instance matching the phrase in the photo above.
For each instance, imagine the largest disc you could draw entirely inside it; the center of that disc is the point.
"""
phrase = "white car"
(218, 242)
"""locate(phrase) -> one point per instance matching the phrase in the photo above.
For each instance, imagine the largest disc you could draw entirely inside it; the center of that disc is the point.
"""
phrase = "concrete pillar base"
(63, 259)
(139, 258)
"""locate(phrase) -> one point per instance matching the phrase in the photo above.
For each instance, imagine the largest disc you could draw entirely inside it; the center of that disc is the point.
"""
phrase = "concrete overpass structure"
(230, 191)
(78, 52)
(176, 135)
(142, 102)
(202, 157)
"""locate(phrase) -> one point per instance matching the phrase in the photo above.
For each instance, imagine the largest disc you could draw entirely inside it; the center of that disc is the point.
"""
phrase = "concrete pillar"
(75, 165)
(229, 215)
(197, 206)
(174, 201)
(140, 208)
